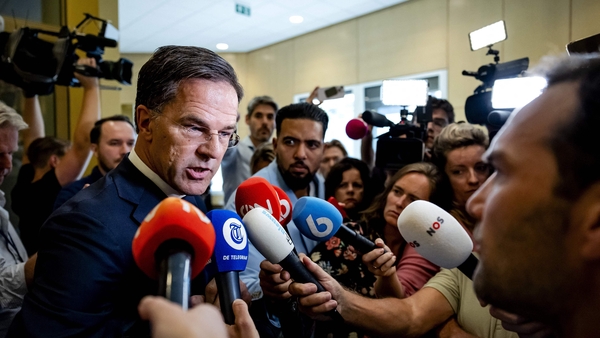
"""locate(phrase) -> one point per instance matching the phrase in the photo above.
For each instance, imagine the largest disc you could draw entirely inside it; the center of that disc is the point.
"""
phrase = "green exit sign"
(244, 10)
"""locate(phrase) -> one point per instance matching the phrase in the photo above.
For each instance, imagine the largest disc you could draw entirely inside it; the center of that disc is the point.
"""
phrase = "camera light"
(222, 46)
(296, 19)
(516, 92)
(488, 35)
(404, 92)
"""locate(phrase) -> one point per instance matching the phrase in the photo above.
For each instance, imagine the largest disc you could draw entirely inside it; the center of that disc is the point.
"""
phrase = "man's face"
(9, 138)
(331, 156)
(434, 128)
(116, 140)
(261, 123)
(299, 149)
(188, 163)
(526, 246)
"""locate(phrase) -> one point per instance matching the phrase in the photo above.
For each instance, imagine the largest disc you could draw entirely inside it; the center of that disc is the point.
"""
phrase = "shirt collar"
(162, 185)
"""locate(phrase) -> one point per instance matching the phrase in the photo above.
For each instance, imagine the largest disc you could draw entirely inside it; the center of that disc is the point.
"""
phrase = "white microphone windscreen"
(435, 234)
(267, 235)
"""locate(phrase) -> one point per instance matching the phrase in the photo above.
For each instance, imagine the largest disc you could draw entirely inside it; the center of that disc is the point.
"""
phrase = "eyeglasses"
(201, 135)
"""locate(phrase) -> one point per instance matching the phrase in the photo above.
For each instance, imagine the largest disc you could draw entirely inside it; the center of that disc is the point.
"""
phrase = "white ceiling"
(145, 25)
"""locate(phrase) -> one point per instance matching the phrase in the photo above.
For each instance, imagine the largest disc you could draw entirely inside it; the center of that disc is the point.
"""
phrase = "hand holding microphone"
(173, 244)
(273, 242)
(437, 236)
(230, 257)
(380, 261)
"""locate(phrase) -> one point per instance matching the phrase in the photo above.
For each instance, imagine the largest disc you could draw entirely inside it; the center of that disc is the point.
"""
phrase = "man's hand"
(211, 294)
(312, 303)
(169, 320)
(87, 82)
(271, 281)
(313, 96)
(524, 327)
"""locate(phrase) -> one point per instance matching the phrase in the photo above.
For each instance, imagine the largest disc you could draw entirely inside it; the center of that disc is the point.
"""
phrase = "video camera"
(36, 65)
(404, 142)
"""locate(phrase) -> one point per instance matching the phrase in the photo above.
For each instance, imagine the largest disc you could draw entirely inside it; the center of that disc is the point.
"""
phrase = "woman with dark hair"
(417, 181)
(349, 183)
(457, 152)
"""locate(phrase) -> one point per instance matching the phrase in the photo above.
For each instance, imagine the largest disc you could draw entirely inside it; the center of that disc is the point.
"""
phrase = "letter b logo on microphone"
(321, 222)
(235, 234)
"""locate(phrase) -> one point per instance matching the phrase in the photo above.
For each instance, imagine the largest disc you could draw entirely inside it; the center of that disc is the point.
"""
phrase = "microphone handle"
(300, 273)
(358, 241)
(468, 266)
(229, 290)
(175, 276)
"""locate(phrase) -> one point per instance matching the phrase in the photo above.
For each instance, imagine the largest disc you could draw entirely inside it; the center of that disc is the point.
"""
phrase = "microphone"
(285, 205)
(337, 205)
(356, 129)
(437, 236)
(273, 242)
(257, 192)
(230, 257)
(173, 244)
(319, 220)
(376, 119)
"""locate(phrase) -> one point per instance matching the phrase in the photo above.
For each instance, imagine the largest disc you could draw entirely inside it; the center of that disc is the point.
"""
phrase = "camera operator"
(442, 114)
(50, 163)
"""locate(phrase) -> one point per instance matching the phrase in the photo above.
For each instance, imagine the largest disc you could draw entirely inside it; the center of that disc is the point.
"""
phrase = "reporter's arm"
(382, 265)
(32, 115)
(73, 164)
(410, 317)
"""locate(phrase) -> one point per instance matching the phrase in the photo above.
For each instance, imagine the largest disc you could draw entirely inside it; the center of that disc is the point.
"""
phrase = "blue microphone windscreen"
(316, 218)
(231, 247)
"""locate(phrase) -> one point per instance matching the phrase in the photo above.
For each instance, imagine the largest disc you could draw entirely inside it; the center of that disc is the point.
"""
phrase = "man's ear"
(53, 161)
(275, 144)
(94, 149)
(248, 119)
(589, 207)
(144, 122)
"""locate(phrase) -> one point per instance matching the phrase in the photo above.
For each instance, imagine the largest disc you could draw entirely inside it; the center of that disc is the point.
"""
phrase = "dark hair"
(160, 77)
(338, 144)
(374, 214)
(335, 177)
(42, 148)
(96, 131)
(264, 152)
(576, 153)
(302, 110)
(255, 102)
(444, 105)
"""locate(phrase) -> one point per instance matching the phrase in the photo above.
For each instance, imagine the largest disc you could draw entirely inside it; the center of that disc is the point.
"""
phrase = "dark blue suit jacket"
(73, 188)
(86, 280)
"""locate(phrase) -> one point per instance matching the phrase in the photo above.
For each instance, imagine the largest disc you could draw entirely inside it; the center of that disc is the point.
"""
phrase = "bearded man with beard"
(298, 149)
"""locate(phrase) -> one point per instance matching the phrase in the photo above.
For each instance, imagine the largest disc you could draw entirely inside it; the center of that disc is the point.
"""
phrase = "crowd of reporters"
(391, 290)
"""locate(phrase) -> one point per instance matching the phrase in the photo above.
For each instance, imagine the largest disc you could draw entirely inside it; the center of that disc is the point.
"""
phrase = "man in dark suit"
(86, 282)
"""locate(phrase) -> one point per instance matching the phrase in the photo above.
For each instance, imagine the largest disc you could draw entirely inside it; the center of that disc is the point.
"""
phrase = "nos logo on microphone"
(235, 234)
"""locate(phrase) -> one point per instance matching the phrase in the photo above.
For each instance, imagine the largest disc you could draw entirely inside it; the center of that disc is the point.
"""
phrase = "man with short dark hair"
(112, 139)
(86, 280)
(442, 114)
(298, 148)
(539, 233)
(235, 166)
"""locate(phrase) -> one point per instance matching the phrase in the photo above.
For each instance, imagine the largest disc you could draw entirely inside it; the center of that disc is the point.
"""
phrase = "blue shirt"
(303, 244)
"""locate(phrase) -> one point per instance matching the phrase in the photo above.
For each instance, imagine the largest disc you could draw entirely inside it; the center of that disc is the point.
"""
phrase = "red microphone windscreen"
(173, 218)
(356, 129)
(337, 205)
(286, 206)
(257, 192)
